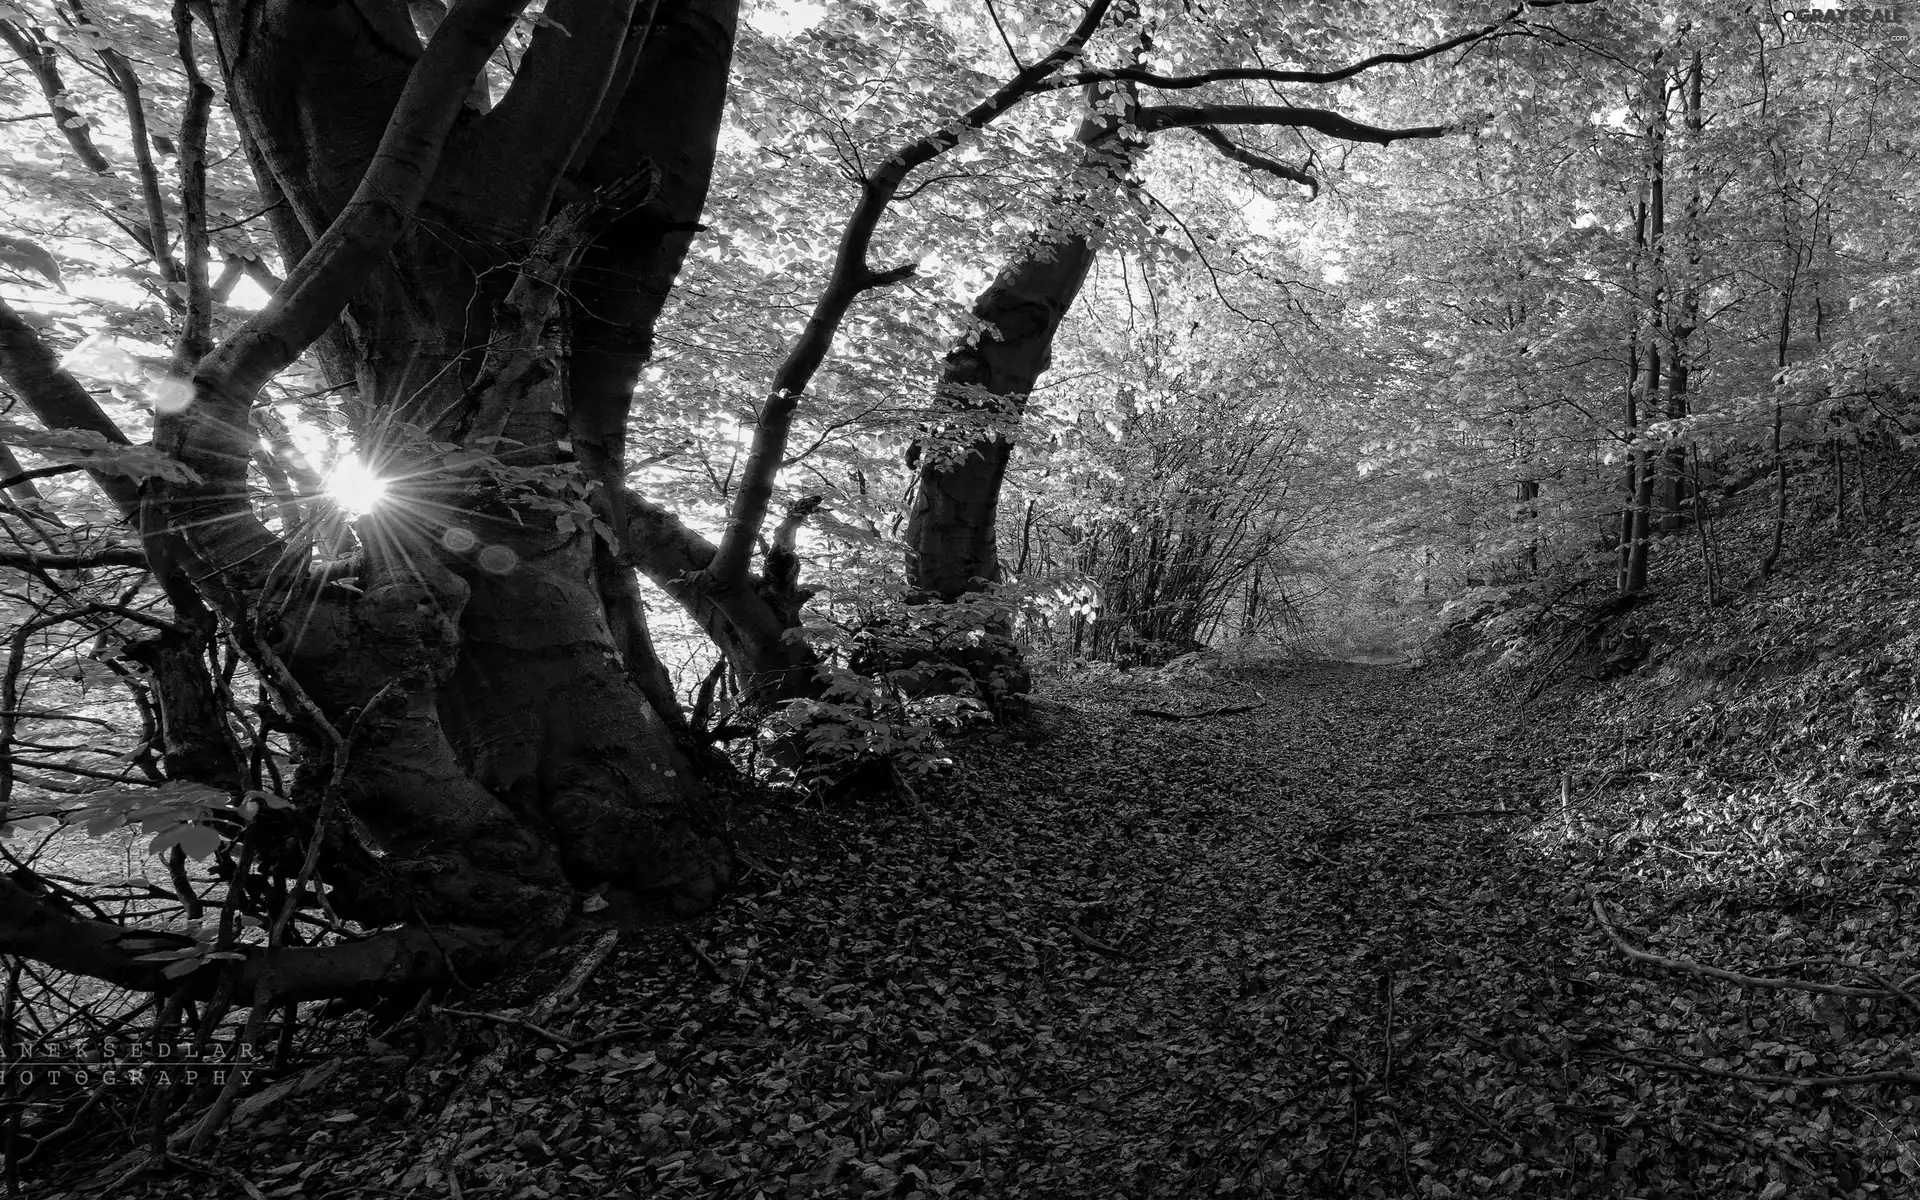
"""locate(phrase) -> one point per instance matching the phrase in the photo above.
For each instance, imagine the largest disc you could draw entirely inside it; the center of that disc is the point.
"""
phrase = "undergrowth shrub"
(964, 648)
(899, 682)
(865, 735)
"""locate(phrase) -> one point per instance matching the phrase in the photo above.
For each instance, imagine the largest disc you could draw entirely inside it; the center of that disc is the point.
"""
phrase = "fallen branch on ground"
(513, 1022)
(1683, 964)
(436, 1161)
(1094, 944)
(707, 965)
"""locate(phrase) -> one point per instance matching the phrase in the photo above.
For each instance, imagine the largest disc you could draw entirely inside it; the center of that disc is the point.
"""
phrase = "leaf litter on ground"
(1229, 956)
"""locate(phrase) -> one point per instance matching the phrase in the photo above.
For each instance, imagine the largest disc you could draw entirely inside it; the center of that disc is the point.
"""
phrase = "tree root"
(1759, 981)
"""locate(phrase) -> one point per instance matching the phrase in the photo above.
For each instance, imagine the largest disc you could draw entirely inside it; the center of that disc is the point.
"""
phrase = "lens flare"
(353, 486)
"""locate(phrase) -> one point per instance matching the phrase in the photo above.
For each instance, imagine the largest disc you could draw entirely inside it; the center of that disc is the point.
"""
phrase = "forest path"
(1324, 943)
(1286, 951)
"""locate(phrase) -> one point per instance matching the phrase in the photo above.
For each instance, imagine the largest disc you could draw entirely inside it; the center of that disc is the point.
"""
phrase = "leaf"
(269, 799)
(25, 255)
(199, 841)
(15, 826)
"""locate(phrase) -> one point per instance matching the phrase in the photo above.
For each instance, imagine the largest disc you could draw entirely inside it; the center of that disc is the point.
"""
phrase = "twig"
(1094, 944)
(1386, 1053)
(577, 978)
(1223, 711)
(612, 1035)
(223, 1103)
(1759, 981)
(564, 1043)
(1476, 812)
(706, 961)
(436, 1158)
(219, 1171)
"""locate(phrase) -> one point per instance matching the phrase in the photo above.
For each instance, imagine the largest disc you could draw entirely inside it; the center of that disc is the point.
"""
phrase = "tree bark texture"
(952, 543)
(510, 742)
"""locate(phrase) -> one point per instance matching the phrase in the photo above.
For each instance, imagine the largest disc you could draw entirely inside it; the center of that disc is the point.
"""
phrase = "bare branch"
(111, 556)
(21, 477)
(41, 58)
(35, 926)
(120, 71)
(1004, 39)
(196, 327)
(29, 367)
(1320, 120)
(1153, 79)
(1259, 162)
(1687, 965)
(893, 275)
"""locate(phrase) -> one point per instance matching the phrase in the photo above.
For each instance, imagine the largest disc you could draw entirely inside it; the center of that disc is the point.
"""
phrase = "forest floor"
(1345, 942)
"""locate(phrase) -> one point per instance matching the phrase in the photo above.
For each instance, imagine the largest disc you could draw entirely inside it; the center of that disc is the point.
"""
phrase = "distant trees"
(1628, 300)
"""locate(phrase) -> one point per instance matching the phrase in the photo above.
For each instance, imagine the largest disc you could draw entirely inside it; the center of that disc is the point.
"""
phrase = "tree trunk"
(951, 539)
(952, 544)
(1680, 323)
(509, 746)
(1650, 239)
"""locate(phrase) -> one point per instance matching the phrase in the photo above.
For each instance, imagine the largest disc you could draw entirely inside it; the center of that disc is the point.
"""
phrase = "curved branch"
(126, 81)
(1153, 79)
(1259, 162)
(1320, 120)
(53, 395)
(380, 210)
(35, 926)
(20, 477)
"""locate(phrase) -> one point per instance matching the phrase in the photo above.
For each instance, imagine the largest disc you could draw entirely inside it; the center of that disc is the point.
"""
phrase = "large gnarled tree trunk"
(474, 686)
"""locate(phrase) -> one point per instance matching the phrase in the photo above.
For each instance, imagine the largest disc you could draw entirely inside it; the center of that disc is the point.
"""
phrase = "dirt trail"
(1294, 951)
(1318, 911)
